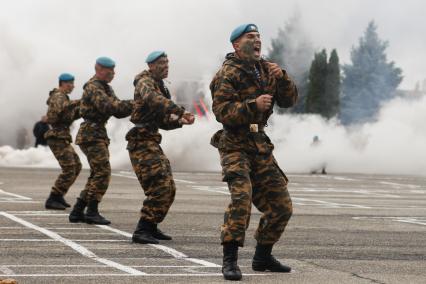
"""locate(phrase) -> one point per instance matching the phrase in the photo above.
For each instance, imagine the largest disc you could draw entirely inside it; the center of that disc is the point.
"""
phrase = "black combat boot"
(230, 269)
(159, 235)
(54, 202)
(77, 213)
(63, 201)
(144, 233)
(263, 260)
(92, 214)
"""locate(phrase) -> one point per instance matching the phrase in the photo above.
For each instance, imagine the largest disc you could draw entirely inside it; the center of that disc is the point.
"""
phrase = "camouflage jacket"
(61, 112)
(97, 105)
(234, 90)
(154, 109)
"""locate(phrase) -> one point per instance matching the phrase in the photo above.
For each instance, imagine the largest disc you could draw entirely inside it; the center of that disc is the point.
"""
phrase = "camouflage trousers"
(155, 176)
(69, 162)
(257, 179)
(97, 154)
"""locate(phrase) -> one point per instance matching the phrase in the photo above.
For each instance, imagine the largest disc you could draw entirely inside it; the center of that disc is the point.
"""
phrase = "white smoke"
(392, 145)
(41, 39)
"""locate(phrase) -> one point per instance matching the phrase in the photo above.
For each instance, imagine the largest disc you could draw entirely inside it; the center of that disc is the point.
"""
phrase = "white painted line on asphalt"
(17, 201)
(15, 195)
(371, 192)
(184, 181)
(6, 270)
(134, 177)
(37, 213)
(336, 178)
(410, 220)
(176, 254)
(80, 249)
(51, 240)
(125, 176)
(328, 204)
(217, 189)
(103, 266)
(413, 186)
(130, 275)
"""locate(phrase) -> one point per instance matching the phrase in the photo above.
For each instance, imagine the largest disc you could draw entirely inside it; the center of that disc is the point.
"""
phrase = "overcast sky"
(41, 39)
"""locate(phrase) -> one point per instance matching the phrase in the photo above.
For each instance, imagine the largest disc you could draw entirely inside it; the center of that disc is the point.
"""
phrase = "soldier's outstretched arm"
(286, 92)
(123, 108)
(106, 104)
(157, 101)
(227, 106)
(74, 107)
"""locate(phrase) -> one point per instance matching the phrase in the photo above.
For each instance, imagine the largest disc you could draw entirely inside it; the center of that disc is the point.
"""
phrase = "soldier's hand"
(187, 118)
(264, 102)
(275, 70)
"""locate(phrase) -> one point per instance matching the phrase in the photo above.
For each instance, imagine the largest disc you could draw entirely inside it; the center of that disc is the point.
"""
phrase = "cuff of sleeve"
(251, 103)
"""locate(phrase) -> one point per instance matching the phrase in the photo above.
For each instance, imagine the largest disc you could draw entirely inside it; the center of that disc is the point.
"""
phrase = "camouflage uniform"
(60, 114)
(153, 110)
(248, 166)
(98, 104)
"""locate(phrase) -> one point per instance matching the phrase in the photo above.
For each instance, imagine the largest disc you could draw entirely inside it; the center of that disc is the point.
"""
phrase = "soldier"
(244, 92)
(98, 104)
(60, 114)
(153, 110)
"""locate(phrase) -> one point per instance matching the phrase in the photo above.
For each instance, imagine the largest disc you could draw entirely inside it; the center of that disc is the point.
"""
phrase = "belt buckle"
(254, 127)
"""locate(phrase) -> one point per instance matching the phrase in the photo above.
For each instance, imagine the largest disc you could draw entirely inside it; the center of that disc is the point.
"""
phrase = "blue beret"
(66, 77)
(154, 56)
(240, 30)
(105, 62)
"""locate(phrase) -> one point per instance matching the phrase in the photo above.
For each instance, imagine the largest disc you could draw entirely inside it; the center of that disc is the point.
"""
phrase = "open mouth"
(257, 49)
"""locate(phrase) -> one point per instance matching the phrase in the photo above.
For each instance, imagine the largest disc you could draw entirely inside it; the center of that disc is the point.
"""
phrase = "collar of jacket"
(233, 60)
(54, 91)
(95, 80)
(147, 73)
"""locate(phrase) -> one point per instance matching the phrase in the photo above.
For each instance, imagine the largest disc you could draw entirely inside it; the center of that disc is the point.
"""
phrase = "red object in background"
(197, 109)
(204, 108)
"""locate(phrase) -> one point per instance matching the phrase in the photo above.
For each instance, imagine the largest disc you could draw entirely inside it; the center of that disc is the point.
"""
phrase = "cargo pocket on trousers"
(152, 169)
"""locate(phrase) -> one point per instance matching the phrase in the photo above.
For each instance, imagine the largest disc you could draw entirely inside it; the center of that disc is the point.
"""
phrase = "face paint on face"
(104, 73)
(67, 87)
(249, 47)
(160, 68)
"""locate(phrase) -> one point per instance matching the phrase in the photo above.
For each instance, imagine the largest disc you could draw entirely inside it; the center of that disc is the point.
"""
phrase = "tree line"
(351, 92)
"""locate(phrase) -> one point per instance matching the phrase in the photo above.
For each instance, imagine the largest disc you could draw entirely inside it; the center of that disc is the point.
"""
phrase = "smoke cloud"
(41, 39)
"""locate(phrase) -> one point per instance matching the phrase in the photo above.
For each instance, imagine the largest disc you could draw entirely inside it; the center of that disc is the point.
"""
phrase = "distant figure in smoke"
(97, 105)
(40, 128)
(321, 168)
(61, 113)
(22, 138)
(244, 92)
(153, 110)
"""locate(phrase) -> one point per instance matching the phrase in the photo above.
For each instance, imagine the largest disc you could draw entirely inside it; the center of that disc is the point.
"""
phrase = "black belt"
(252, 128)
(148, 126)
(60, 127)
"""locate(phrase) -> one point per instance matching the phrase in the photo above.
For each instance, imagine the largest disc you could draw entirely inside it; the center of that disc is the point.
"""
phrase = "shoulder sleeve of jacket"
(57, 104)
(109, 105)
(155, 100)
(228, 108)
(286, 92)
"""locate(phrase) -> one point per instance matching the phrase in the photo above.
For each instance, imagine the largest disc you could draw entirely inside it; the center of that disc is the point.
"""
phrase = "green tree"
(324, 85)
(332, 86)
(315, 99)
(369, 81)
